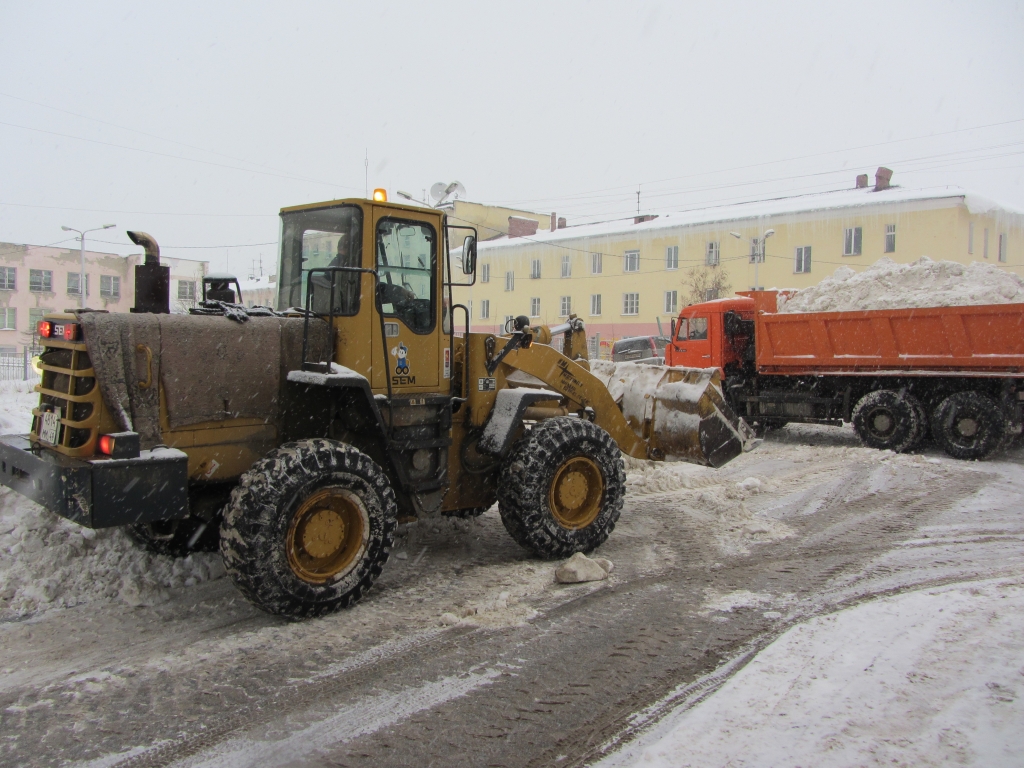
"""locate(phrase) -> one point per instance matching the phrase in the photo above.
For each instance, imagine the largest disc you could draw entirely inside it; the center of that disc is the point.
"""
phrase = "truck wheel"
(969, 425)
(171, 537)
(923, 430)
(887, 420)
(561, 488)
(309, 528)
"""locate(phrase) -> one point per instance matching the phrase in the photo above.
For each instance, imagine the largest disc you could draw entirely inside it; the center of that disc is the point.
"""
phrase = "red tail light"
(106, 444)
(70, 332)
(45, 327)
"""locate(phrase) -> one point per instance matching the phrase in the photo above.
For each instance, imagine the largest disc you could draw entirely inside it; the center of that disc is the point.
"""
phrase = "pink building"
(38, 279)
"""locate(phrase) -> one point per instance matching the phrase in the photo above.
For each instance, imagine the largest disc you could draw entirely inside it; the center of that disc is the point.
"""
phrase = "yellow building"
(625, 277)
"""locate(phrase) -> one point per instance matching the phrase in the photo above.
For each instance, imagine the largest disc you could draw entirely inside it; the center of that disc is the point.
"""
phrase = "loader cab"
(707, 335)
(389, 328)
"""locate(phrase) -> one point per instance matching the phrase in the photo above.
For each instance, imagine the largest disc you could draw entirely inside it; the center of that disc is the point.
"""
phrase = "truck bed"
(973, 340)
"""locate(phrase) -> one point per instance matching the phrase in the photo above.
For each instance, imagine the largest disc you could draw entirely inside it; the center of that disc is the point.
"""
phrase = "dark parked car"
(636, 349)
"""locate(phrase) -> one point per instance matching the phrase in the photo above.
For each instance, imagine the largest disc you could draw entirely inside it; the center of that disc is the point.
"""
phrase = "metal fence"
(17, 368)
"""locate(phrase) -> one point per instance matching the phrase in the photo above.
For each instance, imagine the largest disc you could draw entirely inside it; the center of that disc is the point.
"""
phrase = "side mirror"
(469, 255)
(673, 321)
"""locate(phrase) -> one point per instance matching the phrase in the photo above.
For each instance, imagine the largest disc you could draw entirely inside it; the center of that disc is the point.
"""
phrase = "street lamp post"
(81, 275)
(759, 254)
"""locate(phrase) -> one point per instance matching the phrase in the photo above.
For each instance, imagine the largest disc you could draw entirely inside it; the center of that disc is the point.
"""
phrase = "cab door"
(407, 254)
(691, 348)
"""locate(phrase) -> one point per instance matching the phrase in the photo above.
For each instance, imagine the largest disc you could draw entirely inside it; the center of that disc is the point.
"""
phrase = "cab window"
(407, 265)
(698, 329)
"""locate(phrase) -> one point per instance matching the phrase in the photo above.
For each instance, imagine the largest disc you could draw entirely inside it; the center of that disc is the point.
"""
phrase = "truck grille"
(69, 386)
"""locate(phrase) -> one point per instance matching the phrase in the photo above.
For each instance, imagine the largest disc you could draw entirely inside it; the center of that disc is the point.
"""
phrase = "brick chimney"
(882, 177)
(862, 181)
(554, 221)
(561, 222)
(520, 227)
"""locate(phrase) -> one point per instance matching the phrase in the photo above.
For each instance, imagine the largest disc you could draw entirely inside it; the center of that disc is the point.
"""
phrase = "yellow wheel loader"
(297, 439)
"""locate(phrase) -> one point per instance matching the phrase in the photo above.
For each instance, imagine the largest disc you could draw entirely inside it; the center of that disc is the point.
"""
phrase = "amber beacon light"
(380, 195)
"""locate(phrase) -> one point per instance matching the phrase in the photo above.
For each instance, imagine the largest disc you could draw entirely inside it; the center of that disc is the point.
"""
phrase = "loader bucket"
(679, 412)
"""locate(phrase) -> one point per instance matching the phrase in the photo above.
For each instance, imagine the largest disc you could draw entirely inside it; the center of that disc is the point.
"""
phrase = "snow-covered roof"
(820, 201)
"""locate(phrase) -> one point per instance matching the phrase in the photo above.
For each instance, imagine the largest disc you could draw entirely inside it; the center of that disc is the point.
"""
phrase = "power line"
(186, 247)
(33, 247)
(141, 213)
(135, 130)
(176, 157)
(770, 162)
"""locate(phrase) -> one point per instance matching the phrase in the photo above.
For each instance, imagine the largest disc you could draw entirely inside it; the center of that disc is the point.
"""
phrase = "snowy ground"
(850, 607)
(931, 677)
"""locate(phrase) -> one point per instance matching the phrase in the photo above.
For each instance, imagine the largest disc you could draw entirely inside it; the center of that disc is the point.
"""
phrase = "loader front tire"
(309, 528)
(561, 488)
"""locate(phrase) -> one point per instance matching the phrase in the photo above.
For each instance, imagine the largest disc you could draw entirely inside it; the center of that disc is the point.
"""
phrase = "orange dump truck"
(899, 375)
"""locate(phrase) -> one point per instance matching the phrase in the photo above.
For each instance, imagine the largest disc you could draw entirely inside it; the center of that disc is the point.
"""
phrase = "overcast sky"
(197, 122)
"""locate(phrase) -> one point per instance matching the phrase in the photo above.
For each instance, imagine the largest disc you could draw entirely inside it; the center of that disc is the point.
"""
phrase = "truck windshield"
(326, 237)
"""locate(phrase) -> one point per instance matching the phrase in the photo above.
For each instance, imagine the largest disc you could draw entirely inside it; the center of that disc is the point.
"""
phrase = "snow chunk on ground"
(923, 283)
(17, 399)
(580, 568)
(933, 677)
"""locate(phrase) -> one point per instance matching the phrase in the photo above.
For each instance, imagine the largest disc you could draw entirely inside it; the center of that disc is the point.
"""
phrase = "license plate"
(48, 430)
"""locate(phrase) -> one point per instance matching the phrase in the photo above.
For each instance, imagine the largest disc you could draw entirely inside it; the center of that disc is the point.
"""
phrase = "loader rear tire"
(969, 425)
(309, 528)
(887, 420)
(561, 488)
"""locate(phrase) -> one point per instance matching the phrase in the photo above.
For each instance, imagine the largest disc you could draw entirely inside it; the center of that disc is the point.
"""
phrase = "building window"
(565, 306)
(485, 309)
(9, 319)
(671, 302)
(755, 250)
(507, 325)
(890, 238)
(711, 254)
(596, 263)
(535, 269)
(535, 306)
(485, 273)
(631, 303)
(851, 241)
(40, 281)
(672, 257)
(186, 290)
(984, 243)
(110, 287)
(595, 304)
(7, 278)
(711, 294)
(803, 260)
(35, 314)
(1002, 247)
(510, 281)
(74, 280)
(970, 237)
(566, 265)
(631, 261)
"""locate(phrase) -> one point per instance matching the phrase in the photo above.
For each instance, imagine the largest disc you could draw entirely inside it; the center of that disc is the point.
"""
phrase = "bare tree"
(706, 283)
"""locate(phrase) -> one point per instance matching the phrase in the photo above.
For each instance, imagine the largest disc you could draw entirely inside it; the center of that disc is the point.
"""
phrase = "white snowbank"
(47, 562)
(923, 283)
(934, 677)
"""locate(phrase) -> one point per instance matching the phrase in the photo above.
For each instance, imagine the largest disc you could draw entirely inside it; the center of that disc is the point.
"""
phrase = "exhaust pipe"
(152, 281)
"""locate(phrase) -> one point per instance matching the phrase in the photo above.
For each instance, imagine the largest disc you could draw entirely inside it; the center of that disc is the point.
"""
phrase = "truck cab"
(713, 334)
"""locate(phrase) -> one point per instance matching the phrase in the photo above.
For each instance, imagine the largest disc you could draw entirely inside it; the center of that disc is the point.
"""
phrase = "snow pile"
(926, 678)
(47, 562)
(923, 283)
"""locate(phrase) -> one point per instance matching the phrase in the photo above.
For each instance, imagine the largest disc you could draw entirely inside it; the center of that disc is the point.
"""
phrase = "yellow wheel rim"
(576, 493)
(327, 535)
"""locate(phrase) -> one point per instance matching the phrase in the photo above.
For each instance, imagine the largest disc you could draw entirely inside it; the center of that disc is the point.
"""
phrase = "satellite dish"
(443, 193)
